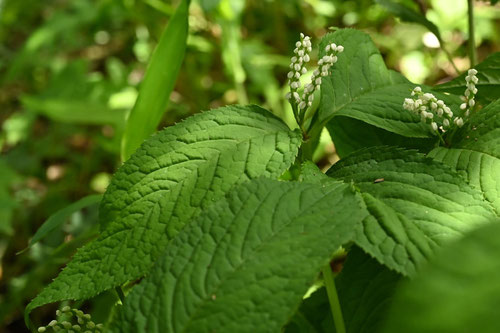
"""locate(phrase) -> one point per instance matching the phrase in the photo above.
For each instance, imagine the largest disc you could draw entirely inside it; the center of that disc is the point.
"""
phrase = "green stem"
(120, 293)
(448, 55)
(471, 42)
(333, 298)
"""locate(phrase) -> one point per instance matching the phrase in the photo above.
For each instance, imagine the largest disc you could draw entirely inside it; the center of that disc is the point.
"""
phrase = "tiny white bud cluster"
(84, 322)
(470, 91)
(297, 66)
(324, 64)
(432, 111)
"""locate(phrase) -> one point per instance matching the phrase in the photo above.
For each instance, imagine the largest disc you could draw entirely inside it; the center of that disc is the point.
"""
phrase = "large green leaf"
(365, 290)
(458, 291)
(415, 204)
(361, 88)
(164, 185)
(158, 82)
(488, 87)
(477, 152)
(245, 264)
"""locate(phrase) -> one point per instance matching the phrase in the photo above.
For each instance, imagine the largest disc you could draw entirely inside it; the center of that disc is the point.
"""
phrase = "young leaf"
(415, 204)
(59, 217)
(365, 291)
(245, 264)
(458, 291)
(164, 185)
(488, 86)
(158, 82)
(477, 152)
(362, 88)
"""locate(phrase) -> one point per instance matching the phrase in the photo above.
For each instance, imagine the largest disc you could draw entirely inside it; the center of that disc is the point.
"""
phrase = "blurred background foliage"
(70, 70)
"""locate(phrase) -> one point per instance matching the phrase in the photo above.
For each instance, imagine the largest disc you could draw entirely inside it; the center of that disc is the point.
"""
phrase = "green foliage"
(57, 219)
(158, 82)
(222, 222)
(236, 268)
(409, 15)
(174, 174)
(363, 96)
(477, 152)
(365, 288)
(489, 80)
(457, 291)
(415, 204)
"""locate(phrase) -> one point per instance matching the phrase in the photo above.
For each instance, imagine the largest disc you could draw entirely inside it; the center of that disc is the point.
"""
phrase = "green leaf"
(458, 291)
(488, 86)
(348, 139)
(158, 82)
(477, 152)
(365, 291)
(363, 96)
(409, 15)
(415, 204)
(165, 184)
(494, 2)
(245, 264)
(59, 217)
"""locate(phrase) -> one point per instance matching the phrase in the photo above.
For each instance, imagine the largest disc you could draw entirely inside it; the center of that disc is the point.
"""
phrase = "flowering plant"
(222, 223)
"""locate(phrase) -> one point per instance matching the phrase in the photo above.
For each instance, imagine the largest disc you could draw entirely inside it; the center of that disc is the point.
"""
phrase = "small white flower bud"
(417, 89)
(446, 122)
(297, 75)
(463, 106)
(296, 95)
(288, 95)
(304, 70)
(471, 103)
(318, 81)
(439, 112)
(298, 44)
(433, 105)
(333, 46)
(296, 67)
(290, 74)
(302, 35)
(340, 48)
(434, 126)
(459, 122)
(65, 309)
(306, 58)
(302, 105)
(42, 329)
(334, 59)
(327, 48)
(53, 323)
(472, 71)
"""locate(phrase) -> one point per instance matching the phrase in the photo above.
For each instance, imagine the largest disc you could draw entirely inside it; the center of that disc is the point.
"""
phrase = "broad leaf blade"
(363, 95)
(165, 184)
(158, 82)
(488, 86)
(415, 203)
(245, 264)
(458, 291)
(477, 152)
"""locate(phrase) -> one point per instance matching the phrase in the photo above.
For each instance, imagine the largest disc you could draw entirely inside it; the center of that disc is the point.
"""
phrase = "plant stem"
(120, 293)
(333, 298)
(471, 42)
(448, 55)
